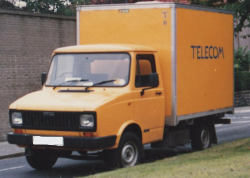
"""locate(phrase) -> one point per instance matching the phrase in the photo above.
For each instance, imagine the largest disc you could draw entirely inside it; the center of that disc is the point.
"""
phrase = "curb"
(14, 155)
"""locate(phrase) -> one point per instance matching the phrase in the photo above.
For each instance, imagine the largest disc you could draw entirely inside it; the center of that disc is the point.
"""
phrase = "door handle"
(158, 93)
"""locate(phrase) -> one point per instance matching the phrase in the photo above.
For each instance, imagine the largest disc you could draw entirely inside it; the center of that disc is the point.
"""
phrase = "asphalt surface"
(12, 164)
(239, 127)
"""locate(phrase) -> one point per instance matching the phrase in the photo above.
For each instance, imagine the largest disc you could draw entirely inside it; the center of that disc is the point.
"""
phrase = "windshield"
(89, 69)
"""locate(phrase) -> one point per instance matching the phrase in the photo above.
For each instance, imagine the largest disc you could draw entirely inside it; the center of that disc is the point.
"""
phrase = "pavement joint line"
(11, 168)
(239, 112)
(240, 122)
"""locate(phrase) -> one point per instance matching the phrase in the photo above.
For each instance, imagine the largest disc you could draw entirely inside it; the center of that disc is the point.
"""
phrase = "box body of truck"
(194, 46)
(159, 73)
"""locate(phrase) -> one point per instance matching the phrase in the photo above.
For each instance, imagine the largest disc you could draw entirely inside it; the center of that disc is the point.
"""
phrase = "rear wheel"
(200, 137)
(128, 153)
(41, 159)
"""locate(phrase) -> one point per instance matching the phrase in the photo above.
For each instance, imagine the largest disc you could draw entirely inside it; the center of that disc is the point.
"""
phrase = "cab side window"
(145, 66)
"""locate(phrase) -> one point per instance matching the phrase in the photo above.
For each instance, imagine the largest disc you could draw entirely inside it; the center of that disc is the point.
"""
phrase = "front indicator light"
(88, 134)
(19, 131)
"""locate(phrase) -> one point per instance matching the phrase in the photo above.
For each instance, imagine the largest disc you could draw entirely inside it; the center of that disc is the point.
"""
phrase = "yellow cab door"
(148, 105)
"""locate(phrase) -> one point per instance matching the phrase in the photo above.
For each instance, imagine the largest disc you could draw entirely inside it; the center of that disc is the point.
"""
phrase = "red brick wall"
(26, 43)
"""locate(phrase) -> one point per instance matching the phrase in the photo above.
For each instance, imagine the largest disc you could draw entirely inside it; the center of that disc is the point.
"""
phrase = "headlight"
(87, 120)
(16, 118)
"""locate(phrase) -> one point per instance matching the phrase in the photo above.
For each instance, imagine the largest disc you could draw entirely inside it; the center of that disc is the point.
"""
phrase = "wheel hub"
(129, 154)
(205, 138)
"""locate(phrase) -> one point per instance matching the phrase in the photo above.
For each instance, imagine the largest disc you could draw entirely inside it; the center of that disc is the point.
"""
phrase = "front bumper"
(69, 142)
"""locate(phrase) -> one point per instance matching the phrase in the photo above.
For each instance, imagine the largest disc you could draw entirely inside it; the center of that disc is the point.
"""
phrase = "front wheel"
(200, 137)
(41, 159)
(128, 153)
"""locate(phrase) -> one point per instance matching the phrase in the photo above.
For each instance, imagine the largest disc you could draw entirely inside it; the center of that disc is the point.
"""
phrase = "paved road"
(17, 167)
(238, 129)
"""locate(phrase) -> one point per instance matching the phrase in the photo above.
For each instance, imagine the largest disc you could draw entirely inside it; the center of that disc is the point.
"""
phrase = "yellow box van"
(159, 73)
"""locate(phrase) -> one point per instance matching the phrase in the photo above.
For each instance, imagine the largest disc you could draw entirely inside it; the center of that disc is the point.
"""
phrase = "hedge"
(242, 81)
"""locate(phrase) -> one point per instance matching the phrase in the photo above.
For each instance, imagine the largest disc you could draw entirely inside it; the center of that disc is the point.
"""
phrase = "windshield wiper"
(81, 80)
(100, 83)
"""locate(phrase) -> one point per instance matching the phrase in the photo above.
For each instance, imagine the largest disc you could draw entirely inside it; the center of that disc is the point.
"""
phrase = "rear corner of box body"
(173, 119)
(78, 26)
(204, 62)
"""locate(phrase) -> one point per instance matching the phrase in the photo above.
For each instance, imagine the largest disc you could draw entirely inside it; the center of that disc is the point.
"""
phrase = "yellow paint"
(149, 110)
(103, 48)
(116, 108)
(202, 84)
(148, 27)
(214, 77)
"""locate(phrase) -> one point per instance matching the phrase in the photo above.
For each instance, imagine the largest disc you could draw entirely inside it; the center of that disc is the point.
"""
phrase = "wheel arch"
(132, 127)
(205, 121)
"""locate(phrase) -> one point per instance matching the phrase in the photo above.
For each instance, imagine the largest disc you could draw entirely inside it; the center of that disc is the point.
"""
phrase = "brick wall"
(26, 43)
(242, 98)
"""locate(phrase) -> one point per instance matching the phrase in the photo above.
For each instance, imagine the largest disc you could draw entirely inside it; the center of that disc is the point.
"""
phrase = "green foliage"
(209, 3)
(241, 67)
(45, 6)
(226, 161)
(241, 59)
(62, 7)
(241, 15)
(242, 81)
(70, 7)
(6, 4)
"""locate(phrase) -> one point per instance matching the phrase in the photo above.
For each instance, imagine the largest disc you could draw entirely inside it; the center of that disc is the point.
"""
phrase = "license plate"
(54, 141)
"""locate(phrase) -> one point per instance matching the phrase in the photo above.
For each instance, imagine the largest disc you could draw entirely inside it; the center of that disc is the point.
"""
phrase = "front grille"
(52, 121)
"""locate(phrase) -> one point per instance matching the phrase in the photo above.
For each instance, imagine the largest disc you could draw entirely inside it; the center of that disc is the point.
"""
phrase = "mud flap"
(213, 132)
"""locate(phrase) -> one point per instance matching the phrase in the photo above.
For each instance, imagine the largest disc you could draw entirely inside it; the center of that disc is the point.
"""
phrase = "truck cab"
(94, 97)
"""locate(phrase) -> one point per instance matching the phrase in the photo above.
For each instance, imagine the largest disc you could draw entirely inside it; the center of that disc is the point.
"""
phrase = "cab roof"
(104, 48)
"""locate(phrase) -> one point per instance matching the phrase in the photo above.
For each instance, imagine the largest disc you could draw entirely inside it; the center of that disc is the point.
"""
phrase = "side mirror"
(154, 80)
(43, 77)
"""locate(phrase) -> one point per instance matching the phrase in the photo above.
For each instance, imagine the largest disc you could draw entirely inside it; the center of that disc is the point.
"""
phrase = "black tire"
(128, 153)
(41, 159)
(201, 137)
